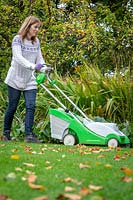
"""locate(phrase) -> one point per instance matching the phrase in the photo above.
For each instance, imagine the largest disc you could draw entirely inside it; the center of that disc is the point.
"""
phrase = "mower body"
(84, 131)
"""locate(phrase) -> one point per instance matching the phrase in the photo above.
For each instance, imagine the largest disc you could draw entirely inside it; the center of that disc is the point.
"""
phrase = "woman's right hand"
(38, 66)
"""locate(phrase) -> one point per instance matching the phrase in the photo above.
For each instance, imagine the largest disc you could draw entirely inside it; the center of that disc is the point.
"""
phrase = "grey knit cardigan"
(24, 57)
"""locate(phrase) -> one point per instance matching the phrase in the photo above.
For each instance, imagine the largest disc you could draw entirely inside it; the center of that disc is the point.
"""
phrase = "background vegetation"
(89, 45)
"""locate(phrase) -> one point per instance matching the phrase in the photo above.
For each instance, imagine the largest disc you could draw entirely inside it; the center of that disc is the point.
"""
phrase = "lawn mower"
(71, 129)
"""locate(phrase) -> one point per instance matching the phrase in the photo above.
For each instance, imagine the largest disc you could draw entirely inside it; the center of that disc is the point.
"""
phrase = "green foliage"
(77, 33)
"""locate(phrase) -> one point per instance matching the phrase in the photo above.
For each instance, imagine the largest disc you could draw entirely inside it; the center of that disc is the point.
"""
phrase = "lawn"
(51, 171)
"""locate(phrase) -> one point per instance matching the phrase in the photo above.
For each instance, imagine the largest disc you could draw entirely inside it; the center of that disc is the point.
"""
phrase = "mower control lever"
(47, 69)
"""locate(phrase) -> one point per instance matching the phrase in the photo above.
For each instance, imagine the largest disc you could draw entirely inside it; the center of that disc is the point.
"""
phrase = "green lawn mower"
(71, 129)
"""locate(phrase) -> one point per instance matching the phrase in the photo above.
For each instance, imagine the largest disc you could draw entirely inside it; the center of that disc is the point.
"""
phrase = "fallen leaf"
(31, 178)
(31, 182)
(2, 145)
(27, 148)
(118, 149)
(40, 153)
(109, 149)
(123, 158)
(49, 167)
(69, 196)
(69, 189)
(47, 162)
(96, 150)
(15, 157)
(18, 169)
(38, 187)
(54, 150)
(29, 164)
(3, 197)
(108, 165)
(29, 172)
(127, 154)
(117, 157)
(14, 150)
(41, 198)
(95, 188)
(84, 191)
(101, 156)
(23, 178)
(127, 179)
(33, 152)
(70, 150)
(71, 180)
(81, 166)
(127, 170)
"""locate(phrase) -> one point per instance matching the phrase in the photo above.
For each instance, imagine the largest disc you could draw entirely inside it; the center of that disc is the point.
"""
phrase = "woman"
(26, 57)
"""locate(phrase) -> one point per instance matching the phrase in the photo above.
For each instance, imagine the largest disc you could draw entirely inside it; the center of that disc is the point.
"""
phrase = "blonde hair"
(26, 26)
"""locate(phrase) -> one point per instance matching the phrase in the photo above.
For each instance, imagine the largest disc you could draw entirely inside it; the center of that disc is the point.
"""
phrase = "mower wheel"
(69, 139)
(113, 143)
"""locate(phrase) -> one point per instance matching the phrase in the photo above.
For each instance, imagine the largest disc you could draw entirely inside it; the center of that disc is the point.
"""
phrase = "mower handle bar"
(49, 79)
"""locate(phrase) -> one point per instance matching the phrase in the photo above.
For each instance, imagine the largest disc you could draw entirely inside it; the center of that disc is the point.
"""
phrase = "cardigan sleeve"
(17, 53)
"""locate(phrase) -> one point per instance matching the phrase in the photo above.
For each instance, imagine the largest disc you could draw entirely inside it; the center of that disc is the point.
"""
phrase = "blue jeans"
(30, 101)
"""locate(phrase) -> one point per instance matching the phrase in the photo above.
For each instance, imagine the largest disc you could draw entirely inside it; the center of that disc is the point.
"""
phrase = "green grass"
(53, 164)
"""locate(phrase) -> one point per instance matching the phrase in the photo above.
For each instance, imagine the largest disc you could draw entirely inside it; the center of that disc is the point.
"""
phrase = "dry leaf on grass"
(28, 148)
(96, 150)
(2, 145)
(127, 179)
(69, 189)
(29, 164)
(127, 170)
(95, 188)
(29, 172)
(118, 149)
(14, 150)
(31, 178)
(108, 165)
(37, 187)
(85, 191)
(117, 157)
(33, 152)
(49, 167)
(127, 154)
(18, 169)
(31, 182)
(41, 198)
(70, 150)
(47, 162)
(69, 179)
(15, 157)
(101, 156)
(4, 197)
(81, 166)
(69, 196)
